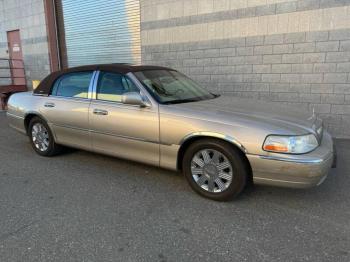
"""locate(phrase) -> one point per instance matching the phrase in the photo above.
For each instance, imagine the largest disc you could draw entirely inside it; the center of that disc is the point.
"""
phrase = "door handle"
(100, 112)
(49, 104)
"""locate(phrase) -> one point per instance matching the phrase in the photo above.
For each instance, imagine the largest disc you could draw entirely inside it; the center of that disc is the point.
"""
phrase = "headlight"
(290, 144)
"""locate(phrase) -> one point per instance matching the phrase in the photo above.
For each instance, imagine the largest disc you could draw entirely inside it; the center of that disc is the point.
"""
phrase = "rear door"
(67, 109)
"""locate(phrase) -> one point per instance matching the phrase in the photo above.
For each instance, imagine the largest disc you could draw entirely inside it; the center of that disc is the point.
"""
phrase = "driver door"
(122, 130)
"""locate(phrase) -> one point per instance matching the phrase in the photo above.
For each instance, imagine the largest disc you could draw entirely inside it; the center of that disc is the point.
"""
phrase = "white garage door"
(104, 31)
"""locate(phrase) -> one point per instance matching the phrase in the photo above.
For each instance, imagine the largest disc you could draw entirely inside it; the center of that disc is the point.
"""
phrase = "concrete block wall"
(281, 51)
(29, 17)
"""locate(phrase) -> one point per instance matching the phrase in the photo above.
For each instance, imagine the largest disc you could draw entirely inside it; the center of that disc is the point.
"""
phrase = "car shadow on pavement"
(327, 191)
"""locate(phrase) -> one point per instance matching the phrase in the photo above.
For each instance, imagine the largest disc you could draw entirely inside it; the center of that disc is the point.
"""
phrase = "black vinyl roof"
(44, 88)
(118, 68)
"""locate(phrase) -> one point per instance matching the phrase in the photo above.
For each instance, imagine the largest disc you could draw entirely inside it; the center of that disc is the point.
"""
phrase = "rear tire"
(215, 169)
(41, 138)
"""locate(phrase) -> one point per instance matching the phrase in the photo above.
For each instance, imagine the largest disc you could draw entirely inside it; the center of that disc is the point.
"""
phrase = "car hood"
(285, 119)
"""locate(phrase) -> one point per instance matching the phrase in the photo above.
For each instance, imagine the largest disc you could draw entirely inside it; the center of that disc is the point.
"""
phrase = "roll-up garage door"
(94, 32)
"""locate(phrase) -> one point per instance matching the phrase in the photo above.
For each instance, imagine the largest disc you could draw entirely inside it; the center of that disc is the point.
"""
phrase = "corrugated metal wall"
(104, 31)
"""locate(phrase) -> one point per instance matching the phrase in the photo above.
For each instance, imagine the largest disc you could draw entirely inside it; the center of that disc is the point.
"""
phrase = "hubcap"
(40, 137)
(211, 170)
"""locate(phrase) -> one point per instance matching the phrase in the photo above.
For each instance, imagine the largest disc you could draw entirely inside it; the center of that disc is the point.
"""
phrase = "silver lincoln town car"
(158, 116)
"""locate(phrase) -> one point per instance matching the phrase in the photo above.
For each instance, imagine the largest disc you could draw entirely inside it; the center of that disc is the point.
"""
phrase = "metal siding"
(104, 31)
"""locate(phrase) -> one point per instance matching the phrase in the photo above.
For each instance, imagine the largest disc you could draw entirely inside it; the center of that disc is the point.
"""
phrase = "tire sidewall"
(239, 170)
(50, 149)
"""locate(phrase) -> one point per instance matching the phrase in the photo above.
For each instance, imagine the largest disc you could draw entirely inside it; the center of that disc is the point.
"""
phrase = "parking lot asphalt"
(81, 206)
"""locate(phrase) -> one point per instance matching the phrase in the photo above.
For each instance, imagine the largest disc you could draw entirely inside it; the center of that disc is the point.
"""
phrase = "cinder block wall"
(28, 16)
(282, 51)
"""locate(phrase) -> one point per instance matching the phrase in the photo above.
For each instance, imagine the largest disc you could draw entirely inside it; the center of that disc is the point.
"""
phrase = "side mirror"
(133, 98)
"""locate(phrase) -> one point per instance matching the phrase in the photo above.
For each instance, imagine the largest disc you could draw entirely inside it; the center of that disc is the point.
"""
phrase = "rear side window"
(73, 85)
(111, 86)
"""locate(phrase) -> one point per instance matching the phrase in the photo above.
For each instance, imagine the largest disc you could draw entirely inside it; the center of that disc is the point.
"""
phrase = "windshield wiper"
(179, 101)
(161, 90)
(215, 95)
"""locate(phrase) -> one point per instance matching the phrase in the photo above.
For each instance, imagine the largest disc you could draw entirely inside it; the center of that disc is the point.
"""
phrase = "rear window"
(73, 85)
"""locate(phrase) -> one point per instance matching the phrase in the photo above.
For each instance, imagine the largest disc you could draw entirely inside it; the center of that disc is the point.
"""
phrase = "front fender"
(227, 138)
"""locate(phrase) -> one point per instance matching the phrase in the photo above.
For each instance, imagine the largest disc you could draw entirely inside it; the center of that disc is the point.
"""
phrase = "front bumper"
(296, 171)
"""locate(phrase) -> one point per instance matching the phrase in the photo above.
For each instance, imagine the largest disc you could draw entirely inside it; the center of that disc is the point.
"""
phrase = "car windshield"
(172, 87)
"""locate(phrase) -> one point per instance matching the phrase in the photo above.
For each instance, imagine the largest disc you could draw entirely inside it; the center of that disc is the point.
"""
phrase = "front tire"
(41, 138)
(215, 169)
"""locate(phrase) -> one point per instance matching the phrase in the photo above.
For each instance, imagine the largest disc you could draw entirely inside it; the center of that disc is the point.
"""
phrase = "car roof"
(116, 67)
(45, 86)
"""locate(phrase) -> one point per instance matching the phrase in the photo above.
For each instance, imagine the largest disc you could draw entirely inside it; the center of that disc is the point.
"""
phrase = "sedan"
(158, 116)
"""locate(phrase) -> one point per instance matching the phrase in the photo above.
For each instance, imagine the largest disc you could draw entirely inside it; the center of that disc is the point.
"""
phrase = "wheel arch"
(188, 140)
(29, 116)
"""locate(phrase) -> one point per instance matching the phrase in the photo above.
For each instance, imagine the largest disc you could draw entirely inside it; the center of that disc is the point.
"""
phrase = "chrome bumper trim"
(302, 161)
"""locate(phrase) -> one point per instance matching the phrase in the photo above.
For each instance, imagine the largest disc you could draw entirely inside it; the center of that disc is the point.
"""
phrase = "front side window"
(111, 86)
(73, 85)
(171, 87)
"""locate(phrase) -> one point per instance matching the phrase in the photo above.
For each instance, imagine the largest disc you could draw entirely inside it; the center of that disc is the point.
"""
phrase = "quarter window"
(111, 86)
(73, 85)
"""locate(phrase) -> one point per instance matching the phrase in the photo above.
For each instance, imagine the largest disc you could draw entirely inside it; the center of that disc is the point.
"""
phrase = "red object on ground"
(14, 76)
(6, 91)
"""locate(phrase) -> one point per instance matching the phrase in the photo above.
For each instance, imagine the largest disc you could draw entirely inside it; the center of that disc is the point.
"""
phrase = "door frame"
(135, 81)
(14, 62)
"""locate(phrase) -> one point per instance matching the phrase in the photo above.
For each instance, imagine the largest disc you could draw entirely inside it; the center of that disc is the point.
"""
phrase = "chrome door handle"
(49, 105)
(100, 112)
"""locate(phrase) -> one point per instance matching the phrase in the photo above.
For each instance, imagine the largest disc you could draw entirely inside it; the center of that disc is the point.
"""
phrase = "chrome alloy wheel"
(40, 137)
(211, 170)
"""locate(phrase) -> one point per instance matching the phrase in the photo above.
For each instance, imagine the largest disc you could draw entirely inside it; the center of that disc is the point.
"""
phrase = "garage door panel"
(104, 31)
